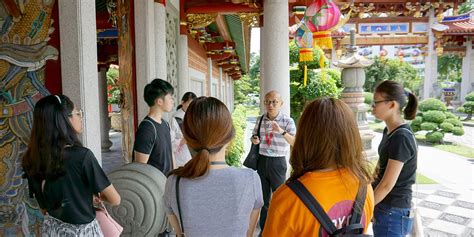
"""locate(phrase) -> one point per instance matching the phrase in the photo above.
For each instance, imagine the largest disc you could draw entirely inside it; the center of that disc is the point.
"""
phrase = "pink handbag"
(109, 227)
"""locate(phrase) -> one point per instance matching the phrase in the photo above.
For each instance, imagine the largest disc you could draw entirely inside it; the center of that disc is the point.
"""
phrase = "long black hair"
(392, 90)
(186, 97)
(51, 133)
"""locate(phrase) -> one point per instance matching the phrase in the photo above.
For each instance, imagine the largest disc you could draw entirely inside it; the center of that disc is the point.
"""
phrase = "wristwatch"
(283, 133)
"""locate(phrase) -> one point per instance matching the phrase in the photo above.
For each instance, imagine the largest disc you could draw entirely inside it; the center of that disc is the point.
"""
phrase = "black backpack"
(354, 228)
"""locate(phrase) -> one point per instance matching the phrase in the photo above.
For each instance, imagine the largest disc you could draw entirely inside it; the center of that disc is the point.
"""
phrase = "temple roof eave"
(456, 25)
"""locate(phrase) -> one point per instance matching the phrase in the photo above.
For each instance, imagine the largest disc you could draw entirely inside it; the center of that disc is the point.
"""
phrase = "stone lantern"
(353, 79)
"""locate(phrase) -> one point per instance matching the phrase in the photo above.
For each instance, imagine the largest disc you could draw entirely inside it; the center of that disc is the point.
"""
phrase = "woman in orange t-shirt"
(327, 159)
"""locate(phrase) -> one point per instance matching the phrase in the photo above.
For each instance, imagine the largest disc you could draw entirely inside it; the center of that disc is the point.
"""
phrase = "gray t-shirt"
(216, 204)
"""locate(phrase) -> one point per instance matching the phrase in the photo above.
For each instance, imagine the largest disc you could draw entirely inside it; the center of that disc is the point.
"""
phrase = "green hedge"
(236, 148)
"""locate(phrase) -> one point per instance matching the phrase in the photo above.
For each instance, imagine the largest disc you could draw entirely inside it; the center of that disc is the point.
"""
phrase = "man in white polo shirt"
(277, 133)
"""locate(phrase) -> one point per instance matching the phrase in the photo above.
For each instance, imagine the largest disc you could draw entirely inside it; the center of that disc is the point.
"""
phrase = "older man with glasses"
(277, 133)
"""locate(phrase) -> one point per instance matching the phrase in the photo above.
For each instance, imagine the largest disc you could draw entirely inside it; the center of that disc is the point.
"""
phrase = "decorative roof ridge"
(463, 17)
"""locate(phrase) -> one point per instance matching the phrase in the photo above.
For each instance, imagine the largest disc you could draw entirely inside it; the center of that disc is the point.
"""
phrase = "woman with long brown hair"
(328, 160)
(209, 197)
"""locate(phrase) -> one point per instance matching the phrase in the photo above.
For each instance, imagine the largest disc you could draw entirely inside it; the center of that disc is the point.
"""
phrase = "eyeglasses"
(273, 102)
(79, 113)
(375, 102)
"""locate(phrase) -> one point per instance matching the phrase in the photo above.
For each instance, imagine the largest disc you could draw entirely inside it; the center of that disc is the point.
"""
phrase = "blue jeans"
(391, 221)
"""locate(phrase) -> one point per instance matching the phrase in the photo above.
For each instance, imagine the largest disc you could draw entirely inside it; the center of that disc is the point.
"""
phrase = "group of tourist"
(331, 190)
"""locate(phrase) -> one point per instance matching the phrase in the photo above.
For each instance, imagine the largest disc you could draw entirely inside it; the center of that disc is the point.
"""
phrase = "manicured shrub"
(434, 116)
(454, 122)
(458, 131)
(428, 126)
(432, 104)
(415, 128)
(446, 127)
(434, 137)
(468, 106)
(450, 115)
(417, 121)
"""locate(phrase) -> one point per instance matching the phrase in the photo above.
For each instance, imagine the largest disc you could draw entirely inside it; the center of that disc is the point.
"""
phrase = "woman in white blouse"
(180, 149)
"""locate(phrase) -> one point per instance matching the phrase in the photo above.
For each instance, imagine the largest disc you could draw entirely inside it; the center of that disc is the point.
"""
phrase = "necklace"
(218, 163)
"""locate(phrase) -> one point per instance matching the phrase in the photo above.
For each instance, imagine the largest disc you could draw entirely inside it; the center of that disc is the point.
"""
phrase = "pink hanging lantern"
(320, 17)
(400, 55)
(383, 53)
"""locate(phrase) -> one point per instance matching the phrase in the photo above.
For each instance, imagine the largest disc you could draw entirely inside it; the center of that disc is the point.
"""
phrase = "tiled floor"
(445, 212)
(113, 158)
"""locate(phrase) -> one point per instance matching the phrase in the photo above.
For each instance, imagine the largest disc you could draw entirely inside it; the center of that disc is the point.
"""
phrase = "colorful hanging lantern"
(304, 41)
(320, 17)
(415, 53)
(400, 55)
(383, 53)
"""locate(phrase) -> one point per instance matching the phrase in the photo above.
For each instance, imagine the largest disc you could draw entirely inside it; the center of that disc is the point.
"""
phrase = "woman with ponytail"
(63, 175)
(396, 167)
(206, 197)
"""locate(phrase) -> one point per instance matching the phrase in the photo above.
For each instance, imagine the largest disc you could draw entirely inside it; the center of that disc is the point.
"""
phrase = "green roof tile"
(236, 32)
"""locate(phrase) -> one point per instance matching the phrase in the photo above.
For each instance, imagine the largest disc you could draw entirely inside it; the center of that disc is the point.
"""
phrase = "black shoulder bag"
(354, 228)
(251, 159)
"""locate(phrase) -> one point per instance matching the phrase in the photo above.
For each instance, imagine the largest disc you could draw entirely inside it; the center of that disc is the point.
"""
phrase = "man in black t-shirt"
(152, 139)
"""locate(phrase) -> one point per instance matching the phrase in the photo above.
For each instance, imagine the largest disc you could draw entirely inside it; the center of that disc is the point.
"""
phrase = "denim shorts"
(392, 221)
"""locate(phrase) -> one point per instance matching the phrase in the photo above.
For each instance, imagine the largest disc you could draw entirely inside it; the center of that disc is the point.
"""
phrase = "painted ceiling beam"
(221, 8)
(219, 45)
(222, 27)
